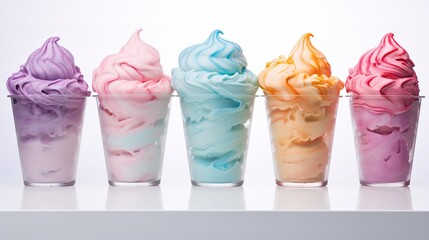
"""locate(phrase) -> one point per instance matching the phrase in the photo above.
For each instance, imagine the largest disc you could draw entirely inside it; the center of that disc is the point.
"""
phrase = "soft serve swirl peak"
(306, 72)
(384, 71)
(216, 66)
(50, 72)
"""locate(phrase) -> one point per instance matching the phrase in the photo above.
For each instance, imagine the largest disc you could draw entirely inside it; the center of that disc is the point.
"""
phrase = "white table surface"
(97, 195)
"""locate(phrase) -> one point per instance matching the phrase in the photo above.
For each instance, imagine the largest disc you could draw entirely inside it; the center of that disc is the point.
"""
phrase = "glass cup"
(48, 130)
(134, 129)
(217, 133)
(385, 129)
(301, 132)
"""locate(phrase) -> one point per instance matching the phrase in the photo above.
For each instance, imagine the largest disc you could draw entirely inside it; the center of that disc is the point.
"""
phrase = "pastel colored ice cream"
(48, 99)
(134, 98)
(385, 108)
(301, 102)
(217, 93)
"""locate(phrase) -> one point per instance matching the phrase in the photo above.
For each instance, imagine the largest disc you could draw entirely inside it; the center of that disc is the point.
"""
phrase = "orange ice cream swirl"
(301, 102)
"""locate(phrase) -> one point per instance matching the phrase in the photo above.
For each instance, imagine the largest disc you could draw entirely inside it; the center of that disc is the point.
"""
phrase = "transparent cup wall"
(48, 131)
(385, 138)
(217, 133)
(134, 129)
(301, 131)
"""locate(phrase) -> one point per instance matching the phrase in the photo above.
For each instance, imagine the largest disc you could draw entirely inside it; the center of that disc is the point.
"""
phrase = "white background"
(343, 31)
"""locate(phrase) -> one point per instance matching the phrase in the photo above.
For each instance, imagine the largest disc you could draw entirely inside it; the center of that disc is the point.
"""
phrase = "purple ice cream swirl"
(49, 71)
(50, 87)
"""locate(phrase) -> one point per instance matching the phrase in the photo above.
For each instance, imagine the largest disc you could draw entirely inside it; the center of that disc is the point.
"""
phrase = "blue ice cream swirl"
(217, 93)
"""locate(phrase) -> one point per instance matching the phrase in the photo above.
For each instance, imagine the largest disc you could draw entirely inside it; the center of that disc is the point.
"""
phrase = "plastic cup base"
(134, 184)
(301, 184)
(63, 184)
(390, 185)
(205, 184)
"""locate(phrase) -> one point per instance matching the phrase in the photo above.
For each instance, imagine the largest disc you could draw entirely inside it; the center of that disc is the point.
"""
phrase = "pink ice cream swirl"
(134, 94)
(386, 70)
(135, 73)
(136, 69)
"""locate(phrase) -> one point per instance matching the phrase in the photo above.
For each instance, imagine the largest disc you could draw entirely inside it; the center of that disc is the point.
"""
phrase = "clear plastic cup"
(134, 129)
(302, 132)
(384, 140)
(48, 130)
(217, 132)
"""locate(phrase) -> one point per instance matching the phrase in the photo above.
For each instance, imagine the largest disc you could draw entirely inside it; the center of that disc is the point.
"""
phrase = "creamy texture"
(306, 72)
(49, 71)
(385, 109)
(386, 70)
(385, 144)
(136, 69)
(134, 98)
(217, 93)
(301, 99)
(48, 99)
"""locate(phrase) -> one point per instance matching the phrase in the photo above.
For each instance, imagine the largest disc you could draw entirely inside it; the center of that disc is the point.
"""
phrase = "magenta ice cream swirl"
(386, 70)
(385, 108)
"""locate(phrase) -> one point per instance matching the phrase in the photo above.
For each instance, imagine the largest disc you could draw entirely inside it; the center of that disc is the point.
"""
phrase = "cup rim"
(69, 96)
(301, 96)
(134, 95)
(216, 95)
(387, 96)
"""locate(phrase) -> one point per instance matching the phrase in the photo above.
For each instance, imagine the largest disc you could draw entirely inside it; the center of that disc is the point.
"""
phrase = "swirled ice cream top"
(136, 69)
(306, 72)
(386, 70)
(216, 66)
(49, 71)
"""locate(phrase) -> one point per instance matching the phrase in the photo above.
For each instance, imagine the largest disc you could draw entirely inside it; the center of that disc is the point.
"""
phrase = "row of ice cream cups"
(217, 93)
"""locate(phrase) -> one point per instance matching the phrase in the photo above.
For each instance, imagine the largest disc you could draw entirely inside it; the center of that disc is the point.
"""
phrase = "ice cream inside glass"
(133, 105)
(385, 105)
(48, 98)
(216, 95)
(301, 101)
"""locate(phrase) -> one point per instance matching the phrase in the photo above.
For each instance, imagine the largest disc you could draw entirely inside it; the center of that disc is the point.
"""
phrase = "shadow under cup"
(385, 129)
(217, 132)
(301, 132)
(134, 129)
(48, 130)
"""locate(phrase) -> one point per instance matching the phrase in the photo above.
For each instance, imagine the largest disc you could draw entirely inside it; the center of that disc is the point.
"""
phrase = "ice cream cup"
(301, 132)
(385, 141)
(48, 130)
(217, 132)
(134, 129)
